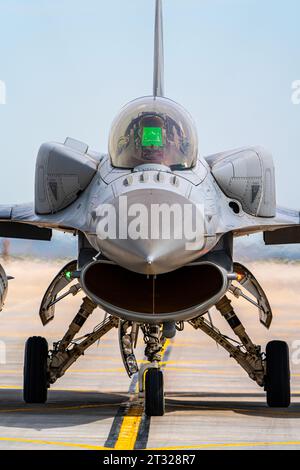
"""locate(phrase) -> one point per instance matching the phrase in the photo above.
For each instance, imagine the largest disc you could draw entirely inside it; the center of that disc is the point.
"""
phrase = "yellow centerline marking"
(131, 422)
(52, 443)
(130, 428)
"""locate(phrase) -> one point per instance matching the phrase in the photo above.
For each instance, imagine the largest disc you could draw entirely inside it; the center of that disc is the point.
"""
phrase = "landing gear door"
(250, 284)
(47, 310)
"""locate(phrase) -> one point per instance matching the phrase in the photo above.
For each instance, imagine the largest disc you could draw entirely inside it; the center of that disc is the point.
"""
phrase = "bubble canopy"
(153, 130)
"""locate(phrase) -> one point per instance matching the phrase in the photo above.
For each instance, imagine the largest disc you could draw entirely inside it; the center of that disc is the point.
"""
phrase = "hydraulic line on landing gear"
(225, 308)
(86, 309)
(154, 342)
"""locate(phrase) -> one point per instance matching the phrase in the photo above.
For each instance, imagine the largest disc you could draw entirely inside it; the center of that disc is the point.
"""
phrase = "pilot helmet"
(153, 130)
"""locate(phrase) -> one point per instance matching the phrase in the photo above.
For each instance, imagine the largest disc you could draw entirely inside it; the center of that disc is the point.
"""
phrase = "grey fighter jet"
(156, 225)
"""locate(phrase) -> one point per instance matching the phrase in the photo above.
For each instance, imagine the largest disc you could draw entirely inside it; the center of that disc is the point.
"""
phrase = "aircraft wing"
(287, 234)
(280, 230)
(21, 221)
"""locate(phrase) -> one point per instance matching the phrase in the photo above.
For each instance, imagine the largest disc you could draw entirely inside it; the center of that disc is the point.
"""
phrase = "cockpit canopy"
(153, 130)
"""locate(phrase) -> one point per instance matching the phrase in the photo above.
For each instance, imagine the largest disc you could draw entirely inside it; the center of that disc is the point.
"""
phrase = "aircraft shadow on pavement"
(198, 402)
(73, 408)
(63, 409)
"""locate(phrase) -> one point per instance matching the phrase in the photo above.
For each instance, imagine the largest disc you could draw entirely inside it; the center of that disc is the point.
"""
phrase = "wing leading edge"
(285, 235)
(282, 229)
(15, 222)
(21, 221)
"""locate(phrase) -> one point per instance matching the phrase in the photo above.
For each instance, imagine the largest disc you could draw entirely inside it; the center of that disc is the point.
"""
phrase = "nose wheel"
(154, 392)
(278, 375)
(35, 370)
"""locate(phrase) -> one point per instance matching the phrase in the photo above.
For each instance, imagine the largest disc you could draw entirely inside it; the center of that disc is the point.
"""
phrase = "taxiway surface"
(210, 402)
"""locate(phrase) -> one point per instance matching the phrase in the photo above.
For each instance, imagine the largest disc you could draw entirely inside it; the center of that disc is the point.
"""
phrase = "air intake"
(179, 295)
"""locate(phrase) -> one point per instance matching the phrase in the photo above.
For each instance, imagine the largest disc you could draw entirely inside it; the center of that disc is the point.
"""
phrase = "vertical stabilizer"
(158, 77)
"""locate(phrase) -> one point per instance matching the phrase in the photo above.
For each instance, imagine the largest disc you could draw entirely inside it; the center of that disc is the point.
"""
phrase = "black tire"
(35, 370)
(154, 393)
(278, 375)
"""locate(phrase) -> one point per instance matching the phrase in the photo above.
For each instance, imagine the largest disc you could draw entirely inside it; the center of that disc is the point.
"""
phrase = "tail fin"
(158, 76)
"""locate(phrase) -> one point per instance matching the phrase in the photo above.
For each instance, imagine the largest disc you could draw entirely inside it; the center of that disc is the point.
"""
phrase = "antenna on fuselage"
(158, 76)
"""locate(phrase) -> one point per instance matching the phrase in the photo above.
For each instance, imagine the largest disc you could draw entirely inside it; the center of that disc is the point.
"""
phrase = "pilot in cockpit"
(153, 137)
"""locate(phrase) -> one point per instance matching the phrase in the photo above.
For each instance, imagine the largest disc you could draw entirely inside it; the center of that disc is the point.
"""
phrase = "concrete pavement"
(210, 402)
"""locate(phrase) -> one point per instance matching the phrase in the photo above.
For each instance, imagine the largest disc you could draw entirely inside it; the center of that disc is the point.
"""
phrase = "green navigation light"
(152, 137)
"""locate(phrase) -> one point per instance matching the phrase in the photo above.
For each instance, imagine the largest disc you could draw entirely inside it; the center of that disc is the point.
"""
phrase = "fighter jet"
(156, 225)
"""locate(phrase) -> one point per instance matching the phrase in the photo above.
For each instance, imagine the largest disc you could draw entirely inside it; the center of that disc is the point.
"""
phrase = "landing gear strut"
(43, 367)
(271, 371)
(151, 378)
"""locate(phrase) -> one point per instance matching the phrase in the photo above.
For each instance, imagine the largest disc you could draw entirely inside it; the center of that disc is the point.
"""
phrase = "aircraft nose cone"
(150, 231)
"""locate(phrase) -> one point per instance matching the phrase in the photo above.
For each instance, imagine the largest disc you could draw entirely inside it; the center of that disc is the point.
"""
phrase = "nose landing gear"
(151, 379)
(154, 392)
(151, 389)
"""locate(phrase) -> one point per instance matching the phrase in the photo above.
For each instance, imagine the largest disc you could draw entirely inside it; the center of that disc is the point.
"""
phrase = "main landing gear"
(277, 380)
(42, 367)
(35, 370)
(270, 370)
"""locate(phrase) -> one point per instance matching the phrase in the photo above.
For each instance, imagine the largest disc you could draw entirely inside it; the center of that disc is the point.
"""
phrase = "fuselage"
(154, 229)
(155, 209)
(154, 220)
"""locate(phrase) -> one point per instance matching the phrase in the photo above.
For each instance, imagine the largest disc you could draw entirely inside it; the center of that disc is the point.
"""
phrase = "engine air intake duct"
(178, 295)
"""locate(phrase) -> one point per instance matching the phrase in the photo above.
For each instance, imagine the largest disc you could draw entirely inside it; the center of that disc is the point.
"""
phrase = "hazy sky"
(69, 66)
